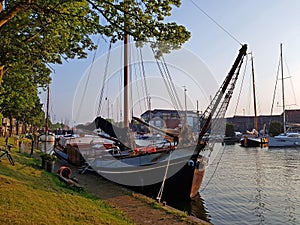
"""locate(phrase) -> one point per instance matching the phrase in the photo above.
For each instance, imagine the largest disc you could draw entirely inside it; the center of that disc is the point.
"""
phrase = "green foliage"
(48, 157)
(47, 32)
(276, 128)
(229, 130)
(19, 99)
(55, 126)
(143, 21)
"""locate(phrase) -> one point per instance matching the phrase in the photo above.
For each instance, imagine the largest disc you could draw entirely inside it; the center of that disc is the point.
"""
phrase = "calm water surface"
(250, 186)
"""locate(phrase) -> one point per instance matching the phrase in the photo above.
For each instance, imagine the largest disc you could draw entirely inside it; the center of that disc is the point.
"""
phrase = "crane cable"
(215, 22)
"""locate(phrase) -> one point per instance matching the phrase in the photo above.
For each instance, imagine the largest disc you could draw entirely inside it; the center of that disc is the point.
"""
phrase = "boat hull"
(281, 142)
(254, 141)
(182, 186)
(177, 174)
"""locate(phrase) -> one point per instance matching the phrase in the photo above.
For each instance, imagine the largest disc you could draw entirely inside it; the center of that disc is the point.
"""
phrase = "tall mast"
(126, 81)
(254, 96)
(282, 86)
(47, 110)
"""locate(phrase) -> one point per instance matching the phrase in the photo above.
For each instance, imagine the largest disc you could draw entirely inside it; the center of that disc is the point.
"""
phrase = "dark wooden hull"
(179, 176)
(254, 141)
(182, 186)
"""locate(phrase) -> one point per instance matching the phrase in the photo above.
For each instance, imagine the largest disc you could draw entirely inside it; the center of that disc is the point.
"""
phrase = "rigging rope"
(88, 78)
(218, 126)
(221, 27)
(138, 86)
(104, 79)
(289, 76)
(171, 83)
(242, 83)
(274, 93)
(214, 172)
(145, 82)
(168, 82)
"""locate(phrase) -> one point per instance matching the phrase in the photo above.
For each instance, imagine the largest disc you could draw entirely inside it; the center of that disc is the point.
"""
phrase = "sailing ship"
(174, 169)
(254, 138)
(47, 138)
(290, 137)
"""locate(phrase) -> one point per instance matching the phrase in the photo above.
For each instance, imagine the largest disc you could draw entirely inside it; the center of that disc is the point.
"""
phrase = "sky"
(262, 25)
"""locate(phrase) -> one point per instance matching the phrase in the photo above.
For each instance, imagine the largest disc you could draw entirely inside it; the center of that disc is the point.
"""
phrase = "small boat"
(47, 139)
(288, 139)
(254, 138)
(67, 147)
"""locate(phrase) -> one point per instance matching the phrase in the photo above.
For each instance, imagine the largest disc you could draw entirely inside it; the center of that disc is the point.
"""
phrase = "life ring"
(65, 172)
(191, 163)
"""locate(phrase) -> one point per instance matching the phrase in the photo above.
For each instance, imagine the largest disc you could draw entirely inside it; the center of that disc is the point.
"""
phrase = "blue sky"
(263, 25)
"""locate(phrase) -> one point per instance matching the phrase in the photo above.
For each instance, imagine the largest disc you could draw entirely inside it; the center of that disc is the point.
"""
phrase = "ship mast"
(47, 111)
(126, 82)
(254, 96)
(282, 86)
(126, 70)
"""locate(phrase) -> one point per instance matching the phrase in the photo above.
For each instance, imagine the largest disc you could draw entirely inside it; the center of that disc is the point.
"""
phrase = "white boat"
(289, 137)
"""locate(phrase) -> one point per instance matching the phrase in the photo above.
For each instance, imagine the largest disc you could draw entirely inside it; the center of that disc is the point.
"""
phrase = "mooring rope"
(160, 193)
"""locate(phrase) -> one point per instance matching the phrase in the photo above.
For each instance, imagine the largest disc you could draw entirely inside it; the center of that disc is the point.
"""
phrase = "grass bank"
(30, 195)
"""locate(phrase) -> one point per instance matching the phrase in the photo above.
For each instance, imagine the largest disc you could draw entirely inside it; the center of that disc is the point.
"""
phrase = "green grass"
(30, 195)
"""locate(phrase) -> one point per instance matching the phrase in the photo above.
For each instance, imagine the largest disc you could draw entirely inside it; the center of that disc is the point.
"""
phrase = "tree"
(229, 130)
(38, 33)
(276, 128)
(19, 98)
(46, 32)
(49, 31)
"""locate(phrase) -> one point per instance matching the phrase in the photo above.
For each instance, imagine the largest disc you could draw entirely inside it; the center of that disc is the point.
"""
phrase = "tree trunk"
(1, 74)
(17, 128)
(10, 126)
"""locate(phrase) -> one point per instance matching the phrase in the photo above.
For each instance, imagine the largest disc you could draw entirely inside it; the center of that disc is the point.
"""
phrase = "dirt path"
(137, 207)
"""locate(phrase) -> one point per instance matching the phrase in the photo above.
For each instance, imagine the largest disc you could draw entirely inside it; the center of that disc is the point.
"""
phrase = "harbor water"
(250, 186)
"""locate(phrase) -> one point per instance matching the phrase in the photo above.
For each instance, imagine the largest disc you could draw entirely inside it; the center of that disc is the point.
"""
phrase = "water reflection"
(291, 178)
(254, 186)
(195, 207)
(259, 198)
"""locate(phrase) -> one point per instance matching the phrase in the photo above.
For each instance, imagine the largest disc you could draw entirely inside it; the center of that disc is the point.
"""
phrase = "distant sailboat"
(289, 137)
(47, 137)
(253, 138)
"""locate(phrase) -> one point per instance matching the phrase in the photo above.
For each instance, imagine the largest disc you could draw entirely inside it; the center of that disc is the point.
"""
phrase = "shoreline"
(139, 208)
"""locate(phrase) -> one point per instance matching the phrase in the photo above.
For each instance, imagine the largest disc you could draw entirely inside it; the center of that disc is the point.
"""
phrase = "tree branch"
(9, 14)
